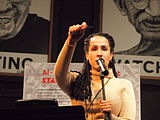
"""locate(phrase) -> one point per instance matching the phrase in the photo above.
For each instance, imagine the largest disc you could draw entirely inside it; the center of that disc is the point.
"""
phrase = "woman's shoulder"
(122, 81)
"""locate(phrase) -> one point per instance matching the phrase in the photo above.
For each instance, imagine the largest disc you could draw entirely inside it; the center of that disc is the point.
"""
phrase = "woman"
(85, 88)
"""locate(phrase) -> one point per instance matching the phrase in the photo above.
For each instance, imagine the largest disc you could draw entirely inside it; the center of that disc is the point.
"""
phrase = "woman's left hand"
(106, 106)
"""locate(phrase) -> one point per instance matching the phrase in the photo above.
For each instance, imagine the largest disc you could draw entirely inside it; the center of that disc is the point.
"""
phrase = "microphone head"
(100, 61)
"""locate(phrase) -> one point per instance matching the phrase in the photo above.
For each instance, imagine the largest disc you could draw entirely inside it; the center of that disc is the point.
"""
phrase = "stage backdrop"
(40, 83)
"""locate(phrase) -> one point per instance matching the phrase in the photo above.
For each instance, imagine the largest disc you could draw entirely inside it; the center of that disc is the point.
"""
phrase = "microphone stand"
(107, 115)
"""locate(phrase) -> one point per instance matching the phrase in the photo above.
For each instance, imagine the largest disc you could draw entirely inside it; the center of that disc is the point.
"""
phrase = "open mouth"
(4, 20)
(153, 21)
(151, 24)
(6, 17)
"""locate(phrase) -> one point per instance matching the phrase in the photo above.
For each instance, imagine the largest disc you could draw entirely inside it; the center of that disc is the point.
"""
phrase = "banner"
(149, 65)
(15, 62)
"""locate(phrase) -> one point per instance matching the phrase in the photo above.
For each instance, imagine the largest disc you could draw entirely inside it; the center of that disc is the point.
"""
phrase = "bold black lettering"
(25, 60)
(4, 62)
(1, 58)
(137, 61)
(157, 67)
(15, 63)
(126, 62)
(145, 66)
(119, 61)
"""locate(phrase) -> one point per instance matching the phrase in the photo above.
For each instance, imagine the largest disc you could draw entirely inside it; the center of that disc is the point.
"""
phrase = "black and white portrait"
(22, 30)
(135, 25)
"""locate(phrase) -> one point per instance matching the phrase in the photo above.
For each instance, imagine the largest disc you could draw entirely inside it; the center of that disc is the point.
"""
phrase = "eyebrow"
(100, 45)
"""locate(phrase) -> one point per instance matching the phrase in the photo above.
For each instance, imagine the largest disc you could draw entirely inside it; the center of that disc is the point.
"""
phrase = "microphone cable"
(91, 103)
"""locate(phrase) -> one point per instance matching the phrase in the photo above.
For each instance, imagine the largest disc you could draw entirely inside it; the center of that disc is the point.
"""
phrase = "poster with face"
(24, 33)
(135, 27)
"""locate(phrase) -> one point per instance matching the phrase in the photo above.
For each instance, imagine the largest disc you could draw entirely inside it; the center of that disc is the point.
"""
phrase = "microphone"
(100, 61)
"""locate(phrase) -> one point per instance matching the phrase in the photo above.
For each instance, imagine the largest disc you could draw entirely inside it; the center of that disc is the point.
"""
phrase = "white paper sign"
(39, 83)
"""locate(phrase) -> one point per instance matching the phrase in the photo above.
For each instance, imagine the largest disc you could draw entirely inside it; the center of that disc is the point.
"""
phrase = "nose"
(99, 53)
(153, 7)
(5, 5)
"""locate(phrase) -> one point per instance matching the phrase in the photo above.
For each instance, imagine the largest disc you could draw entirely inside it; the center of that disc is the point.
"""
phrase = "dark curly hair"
(81, 88)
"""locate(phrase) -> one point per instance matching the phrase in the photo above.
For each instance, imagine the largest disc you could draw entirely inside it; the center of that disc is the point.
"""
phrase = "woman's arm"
(61, 70)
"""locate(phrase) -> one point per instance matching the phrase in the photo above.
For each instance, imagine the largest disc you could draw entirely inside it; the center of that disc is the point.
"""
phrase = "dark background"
(66, 13)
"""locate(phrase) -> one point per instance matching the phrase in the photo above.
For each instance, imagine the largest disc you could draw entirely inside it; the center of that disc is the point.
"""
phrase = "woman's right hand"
(76, 32)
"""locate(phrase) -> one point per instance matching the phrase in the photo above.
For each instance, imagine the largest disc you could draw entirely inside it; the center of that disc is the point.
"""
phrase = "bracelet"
(70, 45)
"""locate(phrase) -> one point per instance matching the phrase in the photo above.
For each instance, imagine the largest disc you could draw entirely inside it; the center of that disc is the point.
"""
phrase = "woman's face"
(99, 47)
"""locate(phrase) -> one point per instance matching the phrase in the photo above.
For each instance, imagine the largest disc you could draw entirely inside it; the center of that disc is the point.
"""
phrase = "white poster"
(40, 83)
